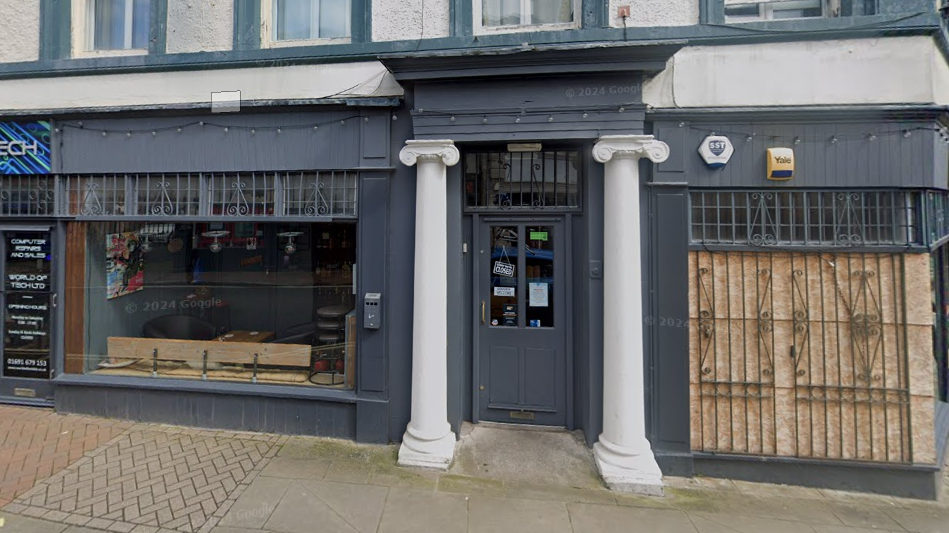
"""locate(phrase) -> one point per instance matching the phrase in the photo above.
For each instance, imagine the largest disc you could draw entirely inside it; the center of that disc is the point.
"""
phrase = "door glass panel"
(539, 255)
(503, 268)
(27, 285)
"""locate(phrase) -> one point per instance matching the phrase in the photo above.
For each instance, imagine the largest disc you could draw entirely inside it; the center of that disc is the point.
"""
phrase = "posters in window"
(125, 265)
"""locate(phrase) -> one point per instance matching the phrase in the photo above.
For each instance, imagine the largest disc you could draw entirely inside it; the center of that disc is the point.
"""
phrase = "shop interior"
(248, 302)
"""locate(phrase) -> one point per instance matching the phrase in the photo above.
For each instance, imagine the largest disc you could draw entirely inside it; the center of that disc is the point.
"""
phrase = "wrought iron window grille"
(817, 218)
(304, 195)
(522, 181)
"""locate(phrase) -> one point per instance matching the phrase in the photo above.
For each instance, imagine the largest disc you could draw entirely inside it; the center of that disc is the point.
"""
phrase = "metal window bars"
(308, 194)
(830, 218)
(542, 180)
(27, 196)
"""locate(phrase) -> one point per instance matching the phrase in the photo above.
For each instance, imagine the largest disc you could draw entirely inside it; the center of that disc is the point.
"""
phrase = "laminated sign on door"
(503, 269)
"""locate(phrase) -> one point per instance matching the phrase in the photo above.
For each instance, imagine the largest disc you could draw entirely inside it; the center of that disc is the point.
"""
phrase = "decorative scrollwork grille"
(541, 180)
(809, 218)
(805, 354)
(27, 196)
(321, 194)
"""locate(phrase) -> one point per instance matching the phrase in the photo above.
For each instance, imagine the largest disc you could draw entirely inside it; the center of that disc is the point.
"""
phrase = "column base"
(628, 470)
(435, 454)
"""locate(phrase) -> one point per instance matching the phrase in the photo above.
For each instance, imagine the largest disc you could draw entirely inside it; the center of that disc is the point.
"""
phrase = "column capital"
(634, 146)
(443, 149)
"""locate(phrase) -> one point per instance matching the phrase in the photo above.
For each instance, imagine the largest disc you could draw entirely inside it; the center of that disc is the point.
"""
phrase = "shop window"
(757, 10)
(542, 180)
(302, 20)
(245, 302)
(514, 13)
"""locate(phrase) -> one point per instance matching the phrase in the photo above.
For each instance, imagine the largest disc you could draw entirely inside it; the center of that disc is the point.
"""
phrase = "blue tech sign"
(716, 150)
(24, 147)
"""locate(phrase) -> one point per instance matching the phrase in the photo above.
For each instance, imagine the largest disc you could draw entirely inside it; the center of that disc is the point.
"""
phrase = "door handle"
(54, 299)
(482, 311)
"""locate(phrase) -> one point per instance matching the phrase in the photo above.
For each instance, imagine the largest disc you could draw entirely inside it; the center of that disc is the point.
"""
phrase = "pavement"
(151, 478)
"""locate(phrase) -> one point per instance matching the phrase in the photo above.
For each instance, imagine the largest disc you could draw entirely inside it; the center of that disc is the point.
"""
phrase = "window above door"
(525, 15)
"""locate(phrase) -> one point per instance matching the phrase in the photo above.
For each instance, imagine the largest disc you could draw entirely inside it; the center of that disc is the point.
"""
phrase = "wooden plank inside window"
(74, 297)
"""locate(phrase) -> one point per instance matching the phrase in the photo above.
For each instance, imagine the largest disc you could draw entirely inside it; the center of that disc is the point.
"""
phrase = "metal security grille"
(226, 195)
(804, 354)
(542, 180)
(27, 195)
(810, 218)
(320, 194)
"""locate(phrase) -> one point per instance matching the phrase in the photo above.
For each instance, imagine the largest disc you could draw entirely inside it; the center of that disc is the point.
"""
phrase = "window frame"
(713, 12)
(268, 28)
(479, 28)
(82, 31)
(766, 13)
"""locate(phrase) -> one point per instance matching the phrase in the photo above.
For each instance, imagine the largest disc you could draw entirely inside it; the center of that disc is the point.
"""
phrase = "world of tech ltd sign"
(24, 147)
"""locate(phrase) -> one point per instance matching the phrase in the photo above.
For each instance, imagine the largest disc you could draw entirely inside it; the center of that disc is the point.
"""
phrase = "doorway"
(28, 298)
(520, 350)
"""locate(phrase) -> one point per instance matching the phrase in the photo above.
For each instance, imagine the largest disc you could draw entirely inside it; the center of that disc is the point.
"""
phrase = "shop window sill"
(208, 387)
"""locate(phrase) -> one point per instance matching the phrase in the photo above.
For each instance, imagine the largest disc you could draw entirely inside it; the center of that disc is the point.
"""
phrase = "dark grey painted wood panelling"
(529, 108)
(890, 160)
(371, 269)
(251, 143)
(372, 421)
(590, 358)
(400, 262)
(594, 92)
(667, 318)
(529, 125)
(458, 286)
(219, 411)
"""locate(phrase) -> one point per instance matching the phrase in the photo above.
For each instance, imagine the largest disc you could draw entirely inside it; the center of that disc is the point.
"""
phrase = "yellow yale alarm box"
(780, 163)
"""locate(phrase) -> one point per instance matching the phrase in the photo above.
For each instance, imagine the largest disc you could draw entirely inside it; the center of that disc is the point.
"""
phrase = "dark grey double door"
(520, 341)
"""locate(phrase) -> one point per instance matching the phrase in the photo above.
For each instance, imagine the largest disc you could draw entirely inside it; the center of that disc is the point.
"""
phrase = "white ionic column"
(428, 440)
(623, 455)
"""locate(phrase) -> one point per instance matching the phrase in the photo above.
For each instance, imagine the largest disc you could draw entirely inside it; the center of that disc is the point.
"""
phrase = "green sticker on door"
(538, 235)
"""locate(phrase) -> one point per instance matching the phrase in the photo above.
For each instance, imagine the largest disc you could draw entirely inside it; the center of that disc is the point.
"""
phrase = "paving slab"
(819, 528)
(255, 505)
(526, 455)
(921, 520)
(292, 468)
(719, 523)
(590, 518)
(24, 524)
(865, 516)
(411, 511)
(498, 515)
(329, 507)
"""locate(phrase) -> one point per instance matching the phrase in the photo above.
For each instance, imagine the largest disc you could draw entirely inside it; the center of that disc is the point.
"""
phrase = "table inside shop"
(246, 336)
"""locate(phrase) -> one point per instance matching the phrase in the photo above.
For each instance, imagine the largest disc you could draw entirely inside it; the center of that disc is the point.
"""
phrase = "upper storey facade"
(736, 52)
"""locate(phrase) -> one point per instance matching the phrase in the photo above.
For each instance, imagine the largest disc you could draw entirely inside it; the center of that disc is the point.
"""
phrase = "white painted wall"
(19, 30)
(940, 71)
(398, 20)
(892, 70)
(195, 87)
(655, 13)
(200, 25)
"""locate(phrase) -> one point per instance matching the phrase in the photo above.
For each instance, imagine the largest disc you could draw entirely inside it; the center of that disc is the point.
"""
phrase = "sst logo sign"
(716, 150)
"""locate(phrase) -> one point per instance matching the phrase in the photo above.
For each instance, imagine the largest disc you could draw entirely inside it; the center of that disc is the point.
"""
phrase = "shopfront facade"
(203, 269)
(516, 241)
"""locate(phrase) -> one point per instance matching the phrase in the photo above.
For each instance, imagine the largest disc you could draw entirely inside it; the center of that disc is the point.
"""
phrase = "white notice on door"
(504, 291)
(538, 294)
